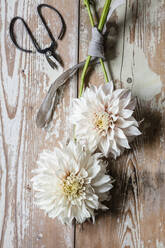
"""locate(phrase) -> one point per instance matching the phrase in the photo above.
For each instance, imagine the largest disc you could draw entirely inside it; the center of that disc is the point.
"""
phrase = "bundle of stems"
(100, 28)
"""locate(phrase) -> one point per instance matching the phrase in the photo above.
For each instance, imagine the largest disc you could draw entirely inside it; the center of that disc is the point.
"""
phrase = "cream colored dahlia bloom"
(103, 118)
(70, 183)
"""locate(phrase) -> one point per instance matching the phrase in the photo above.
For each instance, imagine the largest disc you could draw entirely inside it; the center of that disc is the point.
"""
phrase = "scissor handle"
(13, 38)
(63, 26)
(53, 45)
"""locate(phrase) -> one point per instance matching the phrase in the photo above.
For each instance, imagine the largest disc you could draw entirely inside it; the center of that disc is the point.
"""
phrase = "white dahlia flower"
(103, 118)
(70, 183)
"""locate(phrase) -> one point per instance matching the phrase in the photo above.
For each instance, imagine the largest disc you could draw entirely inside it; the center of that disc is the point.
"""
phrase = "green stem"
(100, 28)
(104, 71)
(83, 75)
(104, 15)
(86, 2)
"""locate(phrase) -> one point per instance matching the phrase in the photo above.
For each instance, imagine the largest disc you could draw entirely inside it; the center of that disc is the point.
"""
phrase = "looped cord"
(96, 45)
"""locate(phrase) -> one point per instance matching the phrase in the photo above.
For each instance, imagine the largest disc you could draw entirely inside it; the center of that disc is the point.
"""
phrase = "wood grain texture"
(136, 218)
(25, 79)
(136, 59)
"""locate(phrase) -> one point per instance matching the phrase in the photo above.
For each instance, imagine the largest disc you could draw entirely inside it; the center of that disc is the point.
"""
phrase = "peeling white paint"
(146, 83)
(18, 86)
(159, 244)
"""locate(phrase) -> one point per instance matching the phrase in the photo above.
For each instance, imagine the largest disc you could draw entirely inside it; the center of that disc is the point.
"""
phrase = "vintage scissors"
(50, 52)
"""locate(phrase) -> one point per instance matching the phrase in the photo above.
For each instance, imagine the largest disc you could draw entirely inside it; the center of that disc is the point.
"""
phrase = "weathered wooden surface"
(136, 56)
(24, 81)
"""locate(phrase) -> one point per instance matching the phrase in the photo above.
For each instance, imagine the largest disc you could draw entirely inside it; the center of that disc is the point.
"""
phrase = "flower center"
(102, 120)
(73, 186)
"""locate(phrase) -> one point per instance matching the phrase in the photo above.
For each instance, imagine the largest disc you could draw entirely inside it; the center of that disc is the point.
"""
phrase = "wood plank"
(137, 208)
(25, 79)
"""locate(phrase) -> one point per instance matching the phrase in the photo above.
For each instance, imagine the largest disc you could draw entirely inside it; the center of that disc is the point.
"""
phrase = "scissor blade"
(51, 61)
(57, 57)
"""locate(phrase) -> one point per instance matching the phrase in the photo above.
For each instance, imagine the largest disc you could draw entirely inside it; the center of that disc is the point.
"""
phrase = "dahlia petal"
(92, 204)
(103, 207)
(119, 133)
(93, 88)
(55, 194)
(111, 134)
(114, 153)
(126, 113)
(104, 188)
(102, 180)
(123, 143)
(83, 173)
(107, 88)
(69, 212)
(134, 122)
(93, 171)
(115, 109)
(126, 94)
(114, 103)
(97, 103)
(125, 99)
(85, 211)
(121, 123)
(117, 93)
(132, 104)
(114, 145)
(132, 131)
(104, 145)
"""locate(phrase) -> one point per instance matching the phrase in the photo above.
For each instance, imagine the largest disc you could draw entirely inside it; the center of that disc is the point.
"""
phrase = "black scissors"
(51, 56)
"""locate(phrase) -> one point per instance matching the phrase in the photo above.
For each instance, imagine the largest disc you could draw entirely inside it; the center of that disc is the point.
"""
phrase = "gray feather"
(49, 103)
